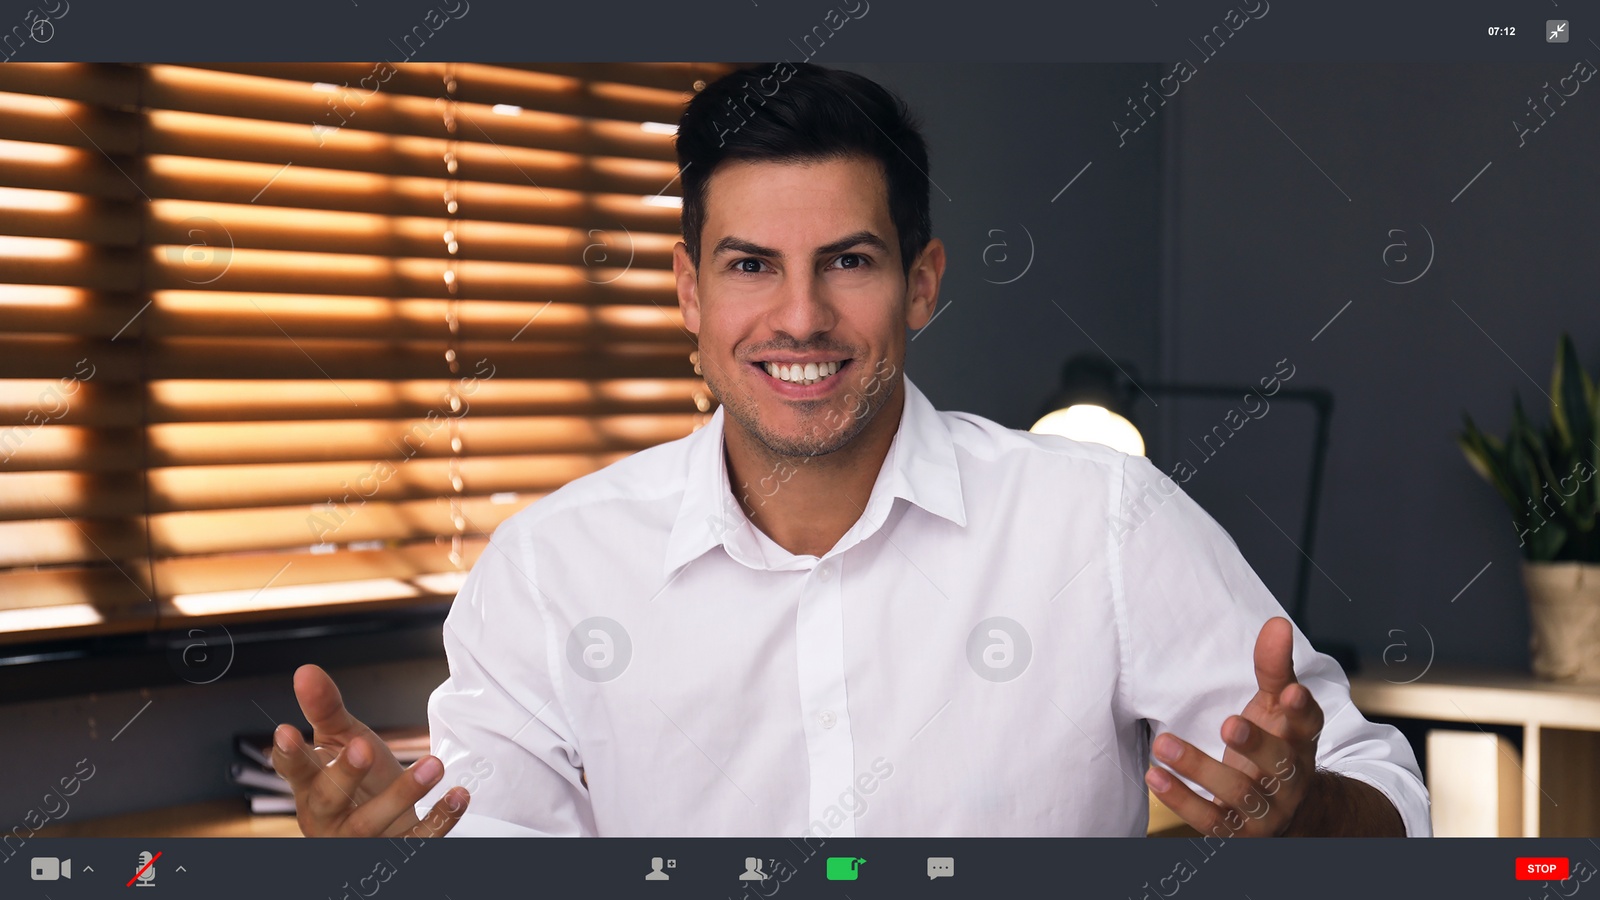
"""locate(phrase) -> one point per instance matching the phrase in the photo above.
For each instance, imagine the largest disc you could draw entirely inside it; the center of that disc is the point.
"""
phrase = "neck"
(807, 503)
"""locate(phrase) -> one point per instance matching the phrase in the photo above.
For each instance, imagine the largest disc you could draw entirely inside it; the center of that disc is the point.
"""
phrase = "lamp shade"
(1089, 422)
(1093, 404)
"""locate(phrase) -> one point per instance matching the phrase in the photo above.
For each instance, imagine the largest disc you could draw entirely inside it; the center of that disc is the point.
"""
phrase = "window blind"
(285, 339)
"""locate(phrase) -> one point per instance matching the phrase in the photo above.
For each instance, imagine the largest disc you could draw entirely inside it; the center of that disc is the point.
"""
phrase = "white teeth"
(802, 373)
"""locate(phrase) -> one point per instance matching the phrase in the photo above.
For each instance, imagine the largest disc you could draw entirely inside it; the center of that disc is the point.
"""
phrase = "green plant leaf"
(1571, 396)
(1487, 456)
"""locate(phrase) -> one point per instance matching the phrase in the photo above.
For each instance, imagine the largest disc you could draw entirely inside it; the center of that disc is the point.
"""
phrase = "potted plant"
(1547, 478)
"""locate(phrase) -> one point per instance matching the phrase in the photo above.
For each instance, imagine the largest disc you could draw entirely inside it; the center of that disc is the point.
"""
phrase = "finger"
(321, 702)
(442, 817)
(293, 758)
(374, 817)
(333, 793)
(1202, 815)
(1273, 758)
(1274, 656)
(1228, 784)
(1305, 717)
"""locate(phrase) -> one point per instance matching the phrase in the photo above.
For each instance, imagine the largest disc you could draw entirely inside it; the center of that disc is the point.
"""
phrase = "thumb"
(321, 702)
(1274, 656)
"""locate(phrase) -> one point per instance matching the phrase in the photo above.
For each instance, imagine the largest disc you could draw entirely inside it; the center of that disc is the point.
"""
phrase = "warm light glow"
(214, 603)
(331, 182)
(658, 128)
(39, 201)
(39, 618)
(506, 109)
(1087, 422)
(29, 152)
(172, 124)
(325, 87)
(49, 106)
(42, 295)
(663, 200)
(39, 248)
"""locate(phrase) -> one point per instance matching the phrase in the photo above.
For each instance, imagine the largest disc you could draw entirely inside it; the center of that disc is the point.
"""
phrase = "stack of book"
(269, 794)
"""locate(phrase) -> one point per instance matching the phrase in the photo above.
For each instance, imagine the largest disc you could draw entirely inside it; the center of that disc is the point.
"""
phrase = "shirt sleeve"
(1192, 608)
(497, 722)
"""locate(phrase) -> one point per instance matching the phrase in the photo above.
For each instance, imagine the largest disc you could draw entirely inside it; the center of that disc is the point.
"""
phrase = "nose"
(802, 309)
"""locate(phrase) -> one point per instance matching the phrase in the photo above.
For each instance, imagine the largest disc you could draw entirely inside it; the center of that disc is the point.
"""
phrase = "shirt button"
(827, 718)
(824, 572)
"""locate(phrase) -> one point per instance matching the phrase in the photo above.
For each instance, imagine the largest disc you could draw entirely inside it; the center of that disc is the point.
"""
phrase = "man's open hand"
(348, 783)
(1268, 770)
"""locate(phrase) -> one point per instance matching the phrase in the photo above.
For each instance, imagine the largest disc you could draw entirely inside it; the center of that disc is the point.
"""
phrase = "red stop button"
(1541, 868)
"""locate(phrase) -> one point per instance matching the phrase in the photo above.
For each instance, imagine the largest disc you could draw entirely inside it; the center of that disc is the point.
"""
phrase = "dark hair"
(800, 112)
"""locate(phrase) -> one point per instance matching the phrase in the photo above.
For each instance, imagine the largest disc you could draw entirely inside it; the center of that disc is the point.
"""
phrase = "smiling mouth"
(803, 374)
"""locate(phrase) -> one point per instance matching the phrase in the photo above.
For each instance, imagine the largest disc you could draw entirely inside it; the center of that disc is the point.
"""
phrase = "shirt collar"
(920, 467)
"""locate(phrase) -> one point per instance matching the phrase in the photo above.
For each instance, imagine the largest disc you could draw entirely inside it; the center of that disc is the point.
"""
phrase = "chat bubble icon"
(941, 867)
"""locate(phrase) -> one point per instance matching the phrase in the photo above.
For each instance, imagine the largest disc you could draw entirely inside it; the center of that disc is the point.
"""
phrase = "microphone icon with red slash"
(146, 876)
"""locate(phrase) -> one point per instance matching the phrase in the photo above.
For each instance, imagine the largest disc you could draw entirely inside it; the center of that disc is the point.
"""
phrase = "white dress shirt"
(986, 652)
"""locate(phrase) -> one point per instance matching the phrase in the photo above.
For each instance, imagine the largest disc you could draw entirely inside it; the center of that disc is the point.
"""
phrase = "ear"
(922, 284)
(688, 283)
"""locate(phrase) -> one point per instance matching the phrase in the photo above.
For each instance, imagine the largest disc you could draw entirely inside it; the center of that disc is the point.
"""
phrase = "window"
(284, 339)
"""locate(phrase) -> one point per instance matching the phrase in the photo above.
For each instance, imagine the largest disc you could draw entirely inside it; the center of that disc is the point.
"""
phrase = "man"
(836, 611)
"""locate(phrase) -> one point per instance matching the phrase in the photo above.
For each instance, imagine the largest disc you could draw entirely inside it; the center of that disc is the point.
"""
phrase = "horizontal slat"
(576, 89)
(303, 187)
(84, 172)
(240, 530)
(407, 95)
(44, 495)
(111, 589)
(46, 604)
(95, 84)
(26, 356)
(666, 76)
(72, 448)
(355, 439)
(278, 569)
(59, 214)
(118, 542)
(26, 405)
(276, 271)
(51, 120)
(415, 128)
(231, 401)
(51, 310)
(600, 251)
(28, 260)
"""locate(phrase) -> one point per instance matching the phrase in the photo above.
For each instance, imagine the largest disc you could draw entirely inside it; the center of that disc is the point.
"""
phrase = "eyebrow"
(739, 245)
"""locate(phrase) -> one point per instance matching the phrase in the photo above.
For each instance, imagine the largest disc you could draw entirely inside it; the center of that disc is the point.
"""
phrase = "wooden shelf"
(1558, 774)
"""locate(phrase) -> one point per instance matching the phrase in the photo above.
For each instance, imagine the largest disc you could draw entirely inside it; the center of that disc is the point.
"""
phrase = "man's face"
(800, 301)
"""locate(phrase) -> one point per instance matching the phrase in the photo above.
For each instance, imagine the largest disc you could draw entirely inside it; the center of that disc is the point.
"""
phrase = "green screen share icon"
(844, 868)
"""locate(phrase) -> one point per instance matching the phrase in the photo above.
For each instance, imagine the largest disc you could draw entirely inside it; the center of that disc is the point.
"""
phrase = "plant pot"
(1564, 612)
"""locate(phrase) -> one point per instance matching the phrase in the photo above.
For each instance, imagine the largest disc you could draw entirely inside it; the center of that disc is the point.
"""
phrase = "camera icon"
(50, 868)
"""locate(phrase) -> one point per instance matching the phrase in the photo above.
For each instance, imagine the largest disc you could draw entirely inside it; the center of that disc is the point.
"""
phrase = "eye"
(748, 265)
(853, 261)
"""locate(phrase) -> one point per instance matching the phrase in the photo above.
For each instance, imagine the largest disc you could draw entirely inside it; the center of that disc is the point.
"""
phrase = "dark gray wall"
(1268, 251)
(1004, 140)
